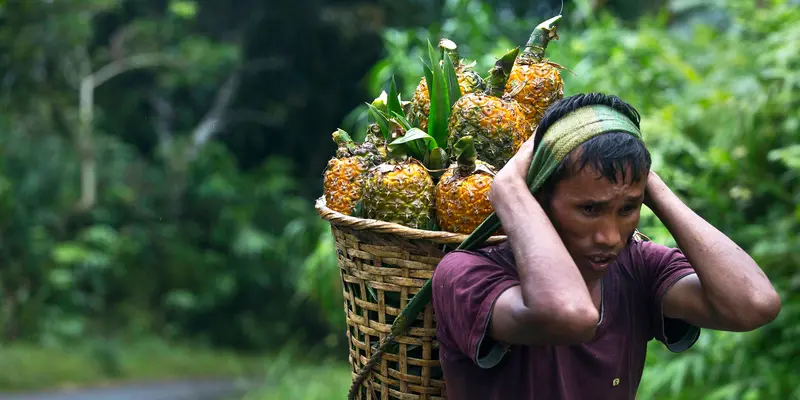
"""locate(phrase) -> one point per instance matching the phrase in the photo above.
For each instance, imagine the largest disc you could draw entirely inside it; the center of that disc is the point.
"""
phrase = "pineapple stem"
(465, 155)
(500, 73)
(343, 140)
(539, 39)
(452, 50)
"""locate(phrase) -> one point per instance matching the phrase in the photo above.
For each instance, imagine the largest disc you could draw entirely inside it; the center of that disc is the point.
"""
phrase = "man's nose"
(607, 234)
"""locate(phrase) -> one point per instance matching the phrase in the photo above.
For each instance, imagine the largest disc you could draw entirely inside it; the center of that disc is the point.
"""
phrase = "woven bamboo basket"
(381, 266)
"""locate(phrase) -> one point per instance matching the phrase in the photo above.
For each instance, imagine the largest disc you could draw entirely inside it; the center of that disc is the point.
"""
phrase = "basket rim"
(373, 225)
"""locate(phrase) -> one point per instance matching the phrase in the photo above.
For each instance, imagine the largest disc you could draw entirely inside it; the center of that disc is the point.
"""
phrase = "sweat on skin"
(564, 309)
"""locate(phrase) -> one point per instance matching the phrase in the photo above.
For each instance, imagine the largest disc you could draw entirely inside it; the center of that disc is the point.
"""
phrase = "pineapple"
(462, 194)
(344, 176)
(536, 83)
(400, 190)
(495, 121)
(469, 81)
(375, 137)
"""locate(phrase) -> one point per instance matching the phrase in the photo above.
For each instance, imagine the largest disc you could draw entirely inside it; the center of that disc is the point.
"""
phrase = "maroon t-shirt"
(466, 285)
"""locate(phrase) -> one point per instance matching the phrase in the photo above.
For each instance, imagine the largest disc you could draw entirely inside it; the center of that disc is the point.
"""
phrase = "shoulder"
(648, 255)
(464, 289)
(457, 263)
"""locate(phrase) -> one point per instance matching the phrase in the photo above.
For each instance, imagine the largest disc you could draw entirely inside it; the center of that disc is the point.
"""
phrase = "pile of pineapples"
(428, 163)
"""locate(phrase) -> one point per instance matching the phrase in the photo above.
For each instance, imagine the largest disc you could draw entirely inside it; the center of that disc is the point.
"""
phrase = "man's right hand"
(513, 175)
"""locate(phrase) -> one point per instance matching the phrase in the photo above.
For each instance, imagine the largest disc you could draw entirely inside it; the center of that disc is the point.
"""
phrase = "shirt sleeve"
(465, 286)
(666, 266)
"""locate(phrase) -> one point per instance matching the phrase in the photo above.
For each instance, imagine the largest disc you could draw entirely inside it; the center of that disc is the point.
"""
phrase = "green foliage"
(211, 264)
(181, 241)
(719, 117)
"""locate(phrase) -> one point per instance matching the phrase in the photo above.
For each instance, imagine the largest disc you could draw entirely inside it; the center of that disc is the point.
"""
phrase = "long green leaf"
(382, 121)
(451, 80)
(437, 123)
(393, 102)
(405, 123)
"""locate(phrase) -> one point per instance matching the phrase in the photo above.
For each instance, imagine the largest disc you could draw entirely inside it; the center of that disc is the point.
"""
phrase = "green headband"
(569, 132)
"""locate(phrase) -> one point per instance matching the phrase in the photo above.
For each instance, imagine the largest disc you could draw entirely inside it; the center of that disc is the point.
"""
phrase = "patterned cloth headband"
(569, 132)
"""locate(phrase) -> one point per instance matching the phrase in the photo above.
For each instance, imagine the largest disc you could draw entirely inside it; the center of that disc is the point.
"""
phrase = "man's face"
(595, 217)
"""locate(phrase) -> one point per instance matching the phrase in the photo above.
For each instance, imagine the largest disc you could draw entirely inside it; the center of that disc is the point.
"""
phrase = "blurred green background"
(159, 160)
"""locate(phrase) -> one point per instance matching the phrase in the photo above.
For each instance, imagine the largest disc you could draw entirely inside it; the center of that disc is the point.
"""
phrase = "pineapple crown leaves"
(465, 150)
(540, 37)
(346, 146)
(443, 89)
(467, 158)
(499, 74)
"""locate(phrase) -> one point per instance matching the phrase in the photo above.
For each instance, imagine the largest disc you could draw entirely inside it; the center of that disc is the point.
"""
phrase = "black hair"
(611, 153)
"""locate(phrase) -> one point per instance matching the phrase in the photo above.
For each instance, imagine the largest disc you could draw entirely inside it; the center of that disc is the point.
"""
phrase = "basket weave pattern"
(381, 266)
(378, 280)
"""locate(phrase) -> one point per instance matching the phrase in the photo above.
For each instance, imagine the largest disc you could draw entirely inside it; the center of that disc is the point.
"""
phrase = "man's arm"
(730, 291)
(552, 303)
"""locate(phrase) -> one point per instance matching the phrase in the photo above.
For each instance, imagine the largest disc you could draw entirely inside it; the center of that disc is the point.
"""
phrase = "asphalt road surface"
(186, 390)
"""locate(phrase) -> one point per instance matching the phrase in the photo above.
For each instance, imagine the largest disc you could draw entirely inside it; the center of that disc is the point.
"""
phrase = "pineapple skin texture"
(402, 193)
(462, 203)
(541, 86)
(343, 183)
(497, 125)
(469, 81)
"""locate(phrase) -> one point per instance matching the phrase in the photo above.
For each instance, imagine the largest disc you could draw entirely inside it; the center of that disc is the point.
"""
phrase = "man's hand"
(652, 188)
(514, 173)
(730, 291)
(552, 303)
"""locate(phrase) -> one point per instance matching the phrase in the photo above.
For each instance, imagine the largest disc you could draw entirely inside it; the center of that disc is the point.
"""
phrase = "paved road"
(191, 390)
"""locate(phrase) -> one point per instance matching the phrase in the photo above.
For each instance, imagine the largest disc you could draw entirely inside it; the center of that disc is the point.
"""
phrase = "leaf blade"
(393, 102)
(437, 127)
(451, 81)
(382, 120)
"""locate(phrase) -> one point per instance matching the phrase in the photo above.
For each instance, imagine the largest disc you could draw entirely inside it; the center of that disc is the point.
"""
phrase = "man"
(564, 309)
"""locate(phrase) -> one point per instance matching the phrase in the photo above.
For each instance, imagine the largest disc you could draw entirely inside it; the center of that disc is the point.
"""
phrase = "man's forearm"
(549, 279)
(733, 283)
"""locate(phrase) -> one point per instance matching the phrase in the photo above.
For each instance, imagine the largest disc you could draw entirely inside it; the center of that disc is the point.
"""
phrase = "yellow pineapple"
(462, 193)
(469, 81)
(535, 83)
(495, 121)
(345, 174)
(400, 190)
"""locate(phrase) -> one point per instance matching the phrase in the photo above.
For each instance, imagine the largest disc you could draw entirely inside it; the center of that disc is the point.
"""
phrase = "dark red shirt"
(466, 285)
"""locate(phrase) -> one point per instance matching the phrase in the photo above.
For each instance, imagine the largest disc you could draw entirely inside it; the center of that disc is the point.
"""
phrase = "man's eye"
(589, 209)
(627, 210)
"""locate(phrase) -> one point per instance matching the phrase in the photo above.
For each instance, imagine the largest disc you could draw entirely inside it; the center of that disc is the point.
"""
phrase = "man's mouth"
(601, 261)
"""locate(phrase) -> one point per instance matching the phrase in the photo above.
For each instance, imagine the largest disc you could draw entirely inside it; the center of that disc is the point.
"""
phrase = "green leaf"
(394, 100)
(451, 80)
(183, 8)
(382, 120)
(70, 253)
(401, 119)
(411, 135)
(414, 139)
(437, 122)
